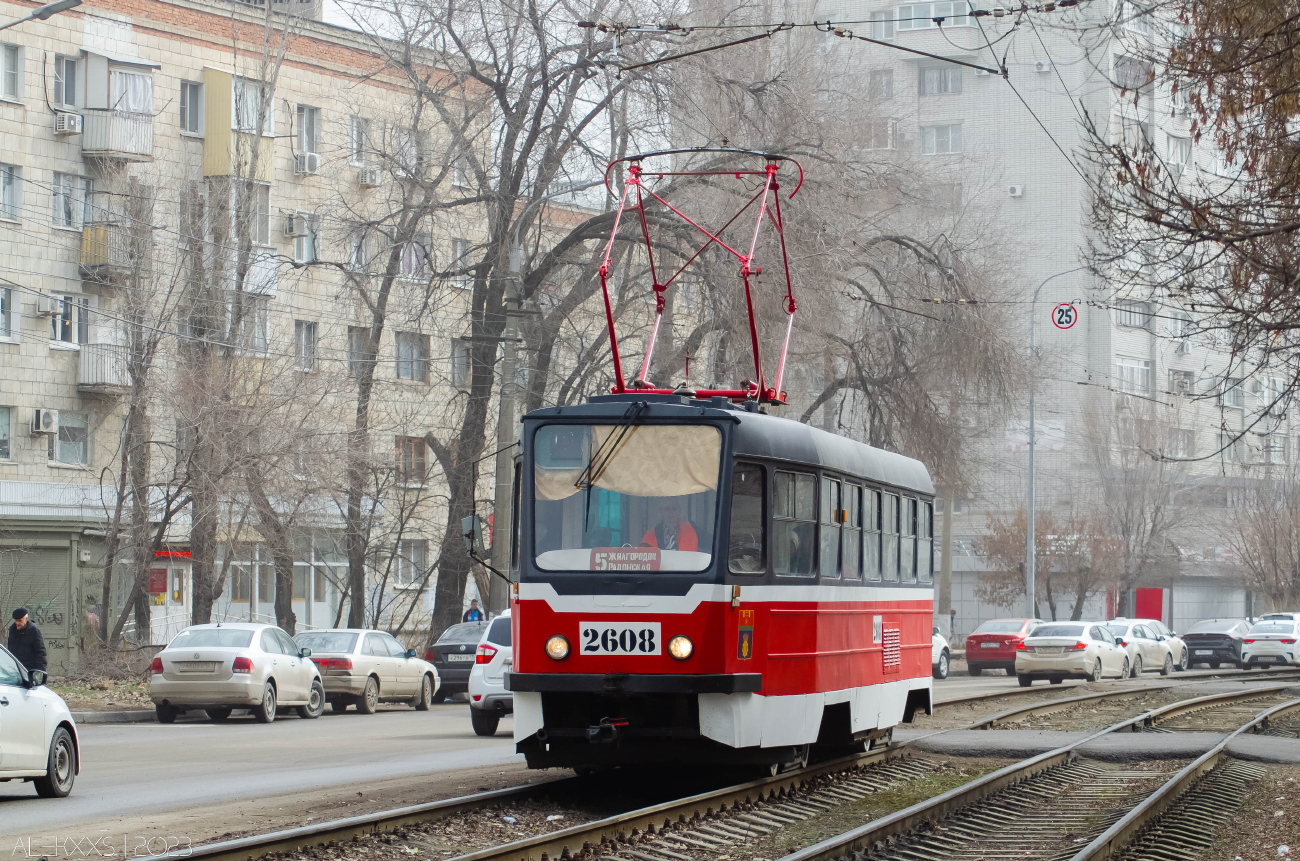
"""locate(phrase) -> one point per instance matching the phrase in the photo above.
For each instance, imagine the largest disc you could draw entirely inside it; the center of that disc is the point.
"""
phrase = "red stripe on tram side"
(798, 647)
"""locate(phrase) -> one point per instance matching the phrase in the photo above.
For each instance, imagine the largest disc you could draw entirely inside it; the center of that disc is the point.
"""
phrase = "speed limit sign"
(1064, 316)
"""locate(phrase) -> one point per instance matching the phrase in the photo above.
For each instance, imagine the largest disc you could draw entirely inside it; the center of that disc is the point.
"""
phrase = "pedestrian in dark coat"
(26, 642)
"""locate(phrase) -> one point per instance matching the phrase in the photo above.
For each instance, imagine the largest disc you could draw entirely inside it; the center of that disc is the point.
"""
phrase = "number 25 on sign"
(1064, 316)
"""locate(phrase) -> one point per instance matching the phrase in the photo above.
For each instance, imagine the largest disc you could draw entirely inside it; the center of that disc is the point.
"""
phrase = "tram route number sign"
(624, 559)
(1065, 315)
(620, 638)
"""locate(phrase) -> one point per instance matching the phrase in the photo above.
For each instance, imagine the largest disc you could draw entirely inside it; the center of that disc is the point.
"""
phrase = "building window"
(940, 80)
(6, 312)
(1182, 383)
(415, 261)
(251, 106)
(411, 468)
(462, 257)
(882, 134)
(131, 92)
(191, 108)
(461, 366)
(412, 561)
(358, 141)
(358, 349)
(1179, 155)
(1233, 394)
(936, 140)
(882, 25)
(11, 72)
(65, 81)
(1272, 448)
(251, 335)
(72, 443)
(1183, 442)
(6, 415)
(308, 126)
(881, 84)
(1132, 73)
(11, 195)
(70, 198)
(358, 253)
(1136, 315)
(922, 16)
(306, 248)
(304, 345)
(460, 172)
(70, 323)
(412, 356)
(1133, 375)
(1230, 445)
(1134, 19)
(794, 523)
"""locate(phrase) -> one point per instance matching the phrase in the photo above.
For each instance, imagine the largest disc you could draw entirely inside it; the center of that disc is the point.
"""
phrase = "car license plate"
(1048, 650)
(989, 645)
(1205, 651)
(620, 638)
(196, 666)
(456, 659)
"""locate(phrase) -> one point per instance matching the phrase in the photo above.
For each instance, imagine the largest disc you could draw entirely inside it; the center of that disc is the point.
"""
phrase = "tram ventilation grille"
(892, 655)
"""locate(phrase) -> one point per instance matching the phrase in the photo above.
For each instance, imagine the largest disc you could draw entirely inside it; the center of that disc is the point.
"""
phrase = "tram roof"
(767, 436)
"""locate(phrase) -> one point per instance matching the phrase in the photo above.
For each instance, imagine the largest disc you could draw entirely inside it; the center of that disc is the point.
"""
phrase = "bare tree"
(1266, 536)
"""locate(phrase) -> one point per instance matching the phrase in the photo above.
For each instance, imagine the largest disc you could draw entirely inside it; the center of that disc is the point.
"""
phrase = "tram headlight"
(680, 647)
(557, 647)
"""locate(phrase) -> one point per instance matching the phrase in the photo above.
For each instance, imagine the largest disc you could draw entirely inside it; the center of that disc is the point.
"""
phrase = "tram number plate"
(620, 638)
(1205, 651)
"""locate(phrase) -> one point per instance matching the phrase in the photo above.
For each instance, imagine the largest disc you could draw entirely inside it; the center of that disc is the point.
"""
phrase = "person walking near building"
(26, 642)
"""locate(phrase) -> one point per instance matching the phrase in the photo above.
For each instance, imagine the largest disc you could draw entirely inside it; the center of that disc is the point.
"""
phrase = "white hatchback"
(38, 738)
(488, 697)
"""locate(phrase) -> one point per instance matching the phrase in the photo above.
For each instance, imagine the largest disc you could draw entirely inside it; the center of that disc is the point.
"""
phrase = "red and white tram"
(698, 581)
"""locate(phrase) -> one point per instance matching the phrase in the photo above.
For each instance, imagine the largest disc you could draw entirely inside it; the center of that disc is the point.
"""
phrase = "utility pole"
(502, 525)
(945, 556)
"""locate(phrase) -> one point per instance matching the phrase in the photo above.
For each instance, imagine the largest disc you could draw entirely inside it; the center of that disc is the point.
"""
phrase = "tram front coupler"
(608, 731)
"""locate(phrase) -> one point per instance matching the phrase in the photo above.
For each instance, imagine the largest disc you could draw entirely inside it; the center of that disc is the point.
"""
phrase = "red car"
(993, 644)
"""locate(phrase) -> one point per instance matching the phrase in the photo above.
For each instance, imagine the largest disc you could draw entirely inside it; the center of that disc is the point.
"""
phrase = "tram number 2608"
(617, 638)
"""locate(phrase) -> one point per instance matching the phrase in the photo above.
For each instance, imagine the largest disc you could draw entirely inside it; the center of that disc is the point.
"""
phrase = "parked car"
(1145, 648)
(453, 655)
(1271, 641)
(1061, 650)
(1176, 643)
(488, 697)
(1216, 641)
(993, 645)
(363, 668)
(38, 737)
(234, 665)
(940, 655)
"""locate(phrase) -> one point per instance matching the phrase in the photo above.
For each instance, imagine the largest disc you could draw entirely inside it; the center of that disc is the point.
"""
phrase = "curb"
(124, 716)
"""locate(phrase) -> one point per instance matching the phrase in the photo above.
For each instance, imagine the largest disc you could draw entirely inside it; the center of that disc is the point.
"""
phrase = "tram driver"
(673, 531)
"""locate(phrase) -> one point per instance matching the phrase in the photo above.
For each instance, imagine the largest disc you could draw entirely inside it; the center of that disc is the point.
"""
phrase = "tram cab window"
(907, 547)
(794, 523)
(871, 534)
(611, 497)
(851, 534)
(832, 515)
(889, 536)
(925, 543)
(747, 539)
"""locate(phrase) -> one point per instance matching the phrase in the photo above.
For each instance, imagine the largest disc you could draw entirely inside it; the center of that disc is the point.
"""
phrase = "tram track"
(679, 828)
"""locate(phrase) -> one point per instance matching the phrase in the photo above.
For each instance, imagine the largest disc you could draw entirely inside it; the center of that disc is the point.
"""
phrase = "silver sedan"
(364, 667)
(234, 665)
(1061, 650)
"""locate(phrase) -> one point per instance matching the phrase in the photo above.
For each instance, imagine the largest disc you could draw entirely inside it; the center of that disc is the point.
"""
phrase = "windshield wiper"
(602, 457)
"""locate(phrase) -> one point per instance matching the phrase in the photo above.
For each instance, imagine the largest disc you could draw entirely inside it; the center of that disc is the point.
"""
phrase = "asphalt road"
(142, 768)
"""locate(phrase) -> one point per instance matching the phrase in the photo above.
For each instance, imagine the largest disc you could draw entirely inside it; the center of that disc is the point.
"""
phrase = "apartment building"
(1017, 150)
(123, 126)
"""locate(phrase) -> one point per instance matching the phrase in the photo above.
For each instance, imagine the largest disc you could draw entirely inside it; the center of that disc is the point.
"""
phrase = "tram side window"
(907, 547)
(794, 523)
(889, 536)
(745, 545)
(871, 535)
(832, 515)
(851, 535)
(925, 543)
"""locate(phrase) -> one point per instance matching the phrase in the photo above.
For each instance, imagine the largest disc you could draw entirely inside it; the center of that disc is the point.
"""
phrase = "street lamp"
(44, 13)
(1029, 531)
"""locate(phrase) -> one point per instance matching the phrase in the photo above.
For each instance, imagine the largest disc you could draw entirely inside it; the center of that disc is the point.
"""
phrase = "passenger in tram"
(673, 531)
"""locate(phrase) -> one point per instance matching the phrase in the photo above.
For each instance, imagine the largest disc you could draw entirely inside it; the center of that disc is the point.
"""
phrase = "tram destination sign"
(624, 559)
(1065, 315)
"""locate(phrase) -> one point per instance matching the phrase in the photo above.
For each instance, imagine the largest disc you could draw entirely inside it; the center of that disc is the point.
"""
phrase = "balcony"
(106, 257)
(102, 370)
(116, 134)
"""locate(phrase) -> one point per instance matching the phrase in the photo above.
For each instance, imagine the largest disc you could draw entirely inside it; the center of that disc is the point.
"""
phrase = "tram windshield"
(625, 497)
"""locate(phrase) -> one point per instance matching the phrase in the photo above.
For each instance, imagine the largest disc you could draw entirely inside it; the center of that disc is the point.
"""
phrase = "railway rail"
(695, 827)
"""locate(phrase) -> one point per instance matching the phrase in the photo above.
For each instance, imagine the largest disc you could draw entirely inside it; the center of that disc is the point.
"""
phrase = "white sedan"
(1061, 650)
(940, 655)
(38, 738)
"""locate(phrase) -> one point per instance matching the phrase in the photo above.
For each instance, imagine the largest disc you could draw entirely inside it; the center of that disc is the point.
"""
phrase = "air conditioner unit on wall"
(47, 306)
(67, 124)
(1184, 346)
(306, 163)
(45, 422)
(295, 225)
(369, 177)
(1042, 67)
(1016, 190)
